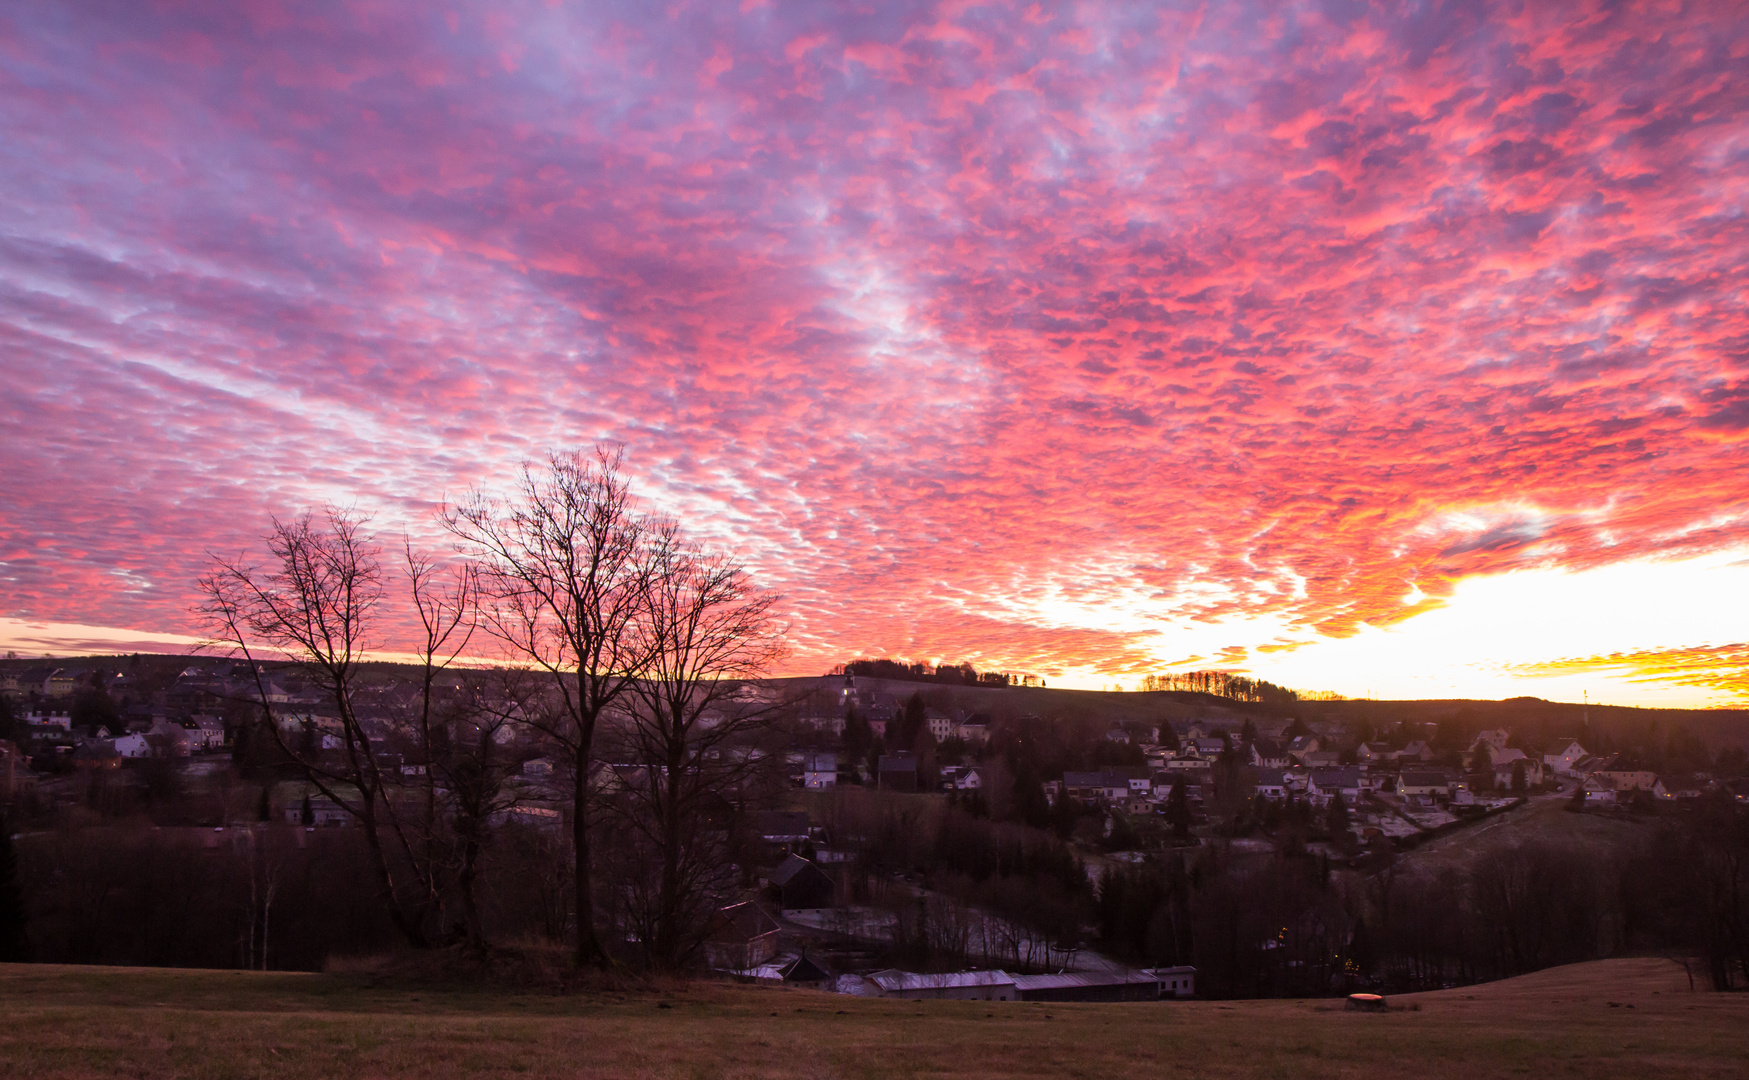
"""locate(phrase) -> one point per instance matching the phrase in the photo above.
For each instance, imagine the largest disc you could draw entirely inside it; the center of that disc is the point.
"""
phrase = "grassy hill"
(1618, 1018)
(1541, 821)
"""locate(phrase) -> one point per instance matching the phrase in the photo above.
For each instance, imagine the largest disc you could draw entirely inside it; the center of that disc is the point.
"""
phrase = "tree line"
(1226, 684)
(947, 674)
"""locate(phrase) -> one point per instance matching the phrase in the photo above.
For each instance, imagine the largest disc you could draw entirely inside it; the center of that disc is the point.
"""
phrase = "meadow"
(1634, 1018)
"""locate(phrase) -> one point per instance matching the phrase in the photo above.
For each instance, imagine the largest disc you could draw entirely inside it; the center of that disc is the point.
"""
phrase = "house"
(1424, 784)
(1320, 759)
(743, 937)
(801, 884)
(1679, 787)
(1599, 791)
(1326, 784)
(1374, 753)
(820, 771)
(1627, 779)
(1268, 754)
(175, 738)
(1107, 785)
(1495, 738)
(1207, 749)
(1304, 744)
(961, 778)
(941, 725)
(1510, 759)
(1175, 982)
(947, 986)
(61, 682)
(1585, 766)
(975, 729)
(1417, 750)
(205, 732)
(40, 726)
(1272, 784)
(133, 746)
(1118, 735)
(1569, 754)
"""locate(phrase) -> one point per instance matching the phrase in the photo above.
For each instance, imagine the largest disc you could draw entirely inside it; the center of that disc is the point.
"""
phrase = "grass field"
(1544, 821)
(1617, 1018)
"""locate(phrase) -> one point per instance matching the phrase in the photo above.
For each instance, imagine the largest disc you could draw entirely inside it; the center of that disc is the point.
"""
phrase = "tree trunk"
(589, 950)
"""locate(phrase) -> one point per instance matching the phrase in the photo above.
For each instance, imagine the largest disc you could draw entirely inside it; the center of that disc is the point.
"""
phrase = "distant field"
(1619, 1018)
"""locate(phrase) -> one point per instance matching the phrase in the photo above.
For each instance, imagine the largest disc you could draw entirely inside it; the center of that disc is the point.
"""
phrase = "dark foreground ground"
(1618, 1018)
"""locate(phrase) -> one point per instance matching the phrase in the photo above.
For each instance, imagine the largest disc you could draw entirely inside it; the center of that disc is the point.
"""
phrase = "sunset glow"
(1394, 350)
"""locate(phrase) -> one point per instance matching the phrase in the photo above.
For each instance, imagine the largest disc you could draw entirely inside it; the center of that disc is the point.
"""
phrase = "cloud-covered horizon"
(989, 332)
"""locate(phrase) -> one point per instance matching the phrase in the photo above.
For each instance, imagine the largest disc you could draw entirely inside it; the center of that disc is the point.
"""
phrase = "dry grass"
(1543, 821)
(82, 1022)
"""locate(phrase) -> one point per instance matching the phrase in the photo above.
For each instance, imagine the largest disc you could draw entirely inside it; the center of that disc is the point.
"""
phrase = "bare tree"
(562, 578)
(317, 602)
(703, 628)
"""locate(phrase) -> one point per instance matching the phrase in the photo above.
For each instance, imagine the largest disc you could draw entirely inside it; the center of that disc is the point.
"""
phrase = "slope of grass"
(1542, 821)
(1623, 1018)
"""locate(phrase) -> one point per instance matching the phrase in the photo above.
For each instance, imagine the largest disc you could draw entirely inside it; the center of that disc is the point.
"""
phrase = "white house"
(1496, 739)
(133, 746)
(1628, 779)
(966, 778)
(206, 732)
(820, 771)
(1563, 760)
(1424, 785)
(940, 724)
(1271, 784)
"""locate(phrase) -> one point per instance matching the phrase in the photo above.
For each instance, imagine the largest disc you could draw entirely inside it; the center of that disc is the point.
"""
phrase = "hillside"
(1541, 821)
(1535, 718)
(1532, 716)
(1615, 1018)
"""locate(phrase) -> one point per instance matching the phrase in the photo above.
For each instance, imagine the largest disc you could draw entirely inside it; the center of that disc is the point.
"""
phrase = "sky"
(1394, 350)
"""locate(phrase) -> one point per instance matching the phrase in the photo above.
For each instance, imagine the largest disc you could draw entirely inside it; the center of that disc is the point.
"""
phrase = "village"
(818, 901)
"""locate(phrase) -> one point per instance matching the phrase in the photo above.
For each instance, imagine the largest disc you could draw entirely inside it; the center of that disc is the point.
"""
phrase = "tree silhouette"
(13, 944)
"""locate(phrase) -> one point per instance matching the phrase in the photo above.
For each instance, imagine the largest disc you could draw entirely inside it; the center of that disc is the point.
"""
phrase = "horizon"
(475, 663)
(1401, 355)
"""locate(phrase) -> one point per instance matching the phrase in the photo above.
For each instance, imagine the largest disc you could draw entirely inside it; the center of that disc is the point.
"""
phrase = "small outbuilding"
(805, 973)
(801, 884)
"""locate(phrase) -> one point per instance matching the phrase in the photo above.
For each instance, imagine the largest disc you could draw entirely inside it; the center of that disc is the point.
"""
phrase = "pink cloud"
(915, 307)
